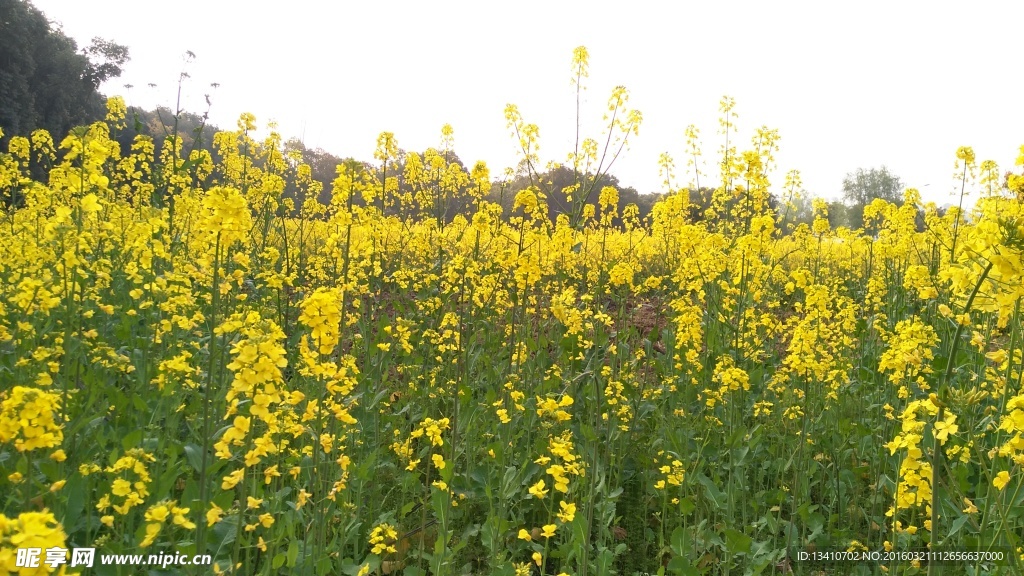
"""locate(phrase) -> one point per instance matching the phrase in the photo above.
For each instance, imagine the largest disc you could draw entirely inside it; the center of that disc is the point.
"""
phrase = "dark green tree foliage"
(553, 184)
(106, 59)
(193, 129)
(798, 210)
(45, 81)
(323, 168)
(863, 186)
(839, 214)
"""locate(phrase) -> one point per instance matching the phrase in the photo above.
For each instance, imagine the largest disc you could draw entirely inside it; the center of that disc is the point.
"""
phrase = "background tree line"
(47, 82)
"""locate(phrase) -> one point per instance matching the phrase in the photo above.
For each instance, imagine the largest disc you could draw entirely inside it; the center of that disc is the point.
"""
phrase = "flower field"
(192, 362)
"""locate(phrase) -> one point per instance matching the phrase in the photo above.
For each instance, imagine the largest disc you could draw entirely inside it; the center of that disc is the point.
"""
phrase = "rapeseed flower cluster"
(30, 419)
(29, 530)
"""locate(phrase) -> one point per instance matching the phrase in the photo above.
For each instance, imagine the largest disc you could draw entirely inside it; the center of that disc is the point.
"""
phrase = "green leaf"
(737, 542)
(957, 525)
(293, 554)
(716, 496)
(75, 491)
(604, 561)
(681, 566)
(194, 455)
(408, 507)
(133, 438)
(678, 541)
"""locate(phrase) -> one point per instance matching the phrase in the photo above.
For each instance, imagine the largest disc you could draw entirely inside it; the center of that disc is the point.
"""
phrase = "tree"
(863, 186)
(556, 180)
(106, 60)
(193, 129)
(799, 210)
(839, 214)
(45, 81)
(323, 169)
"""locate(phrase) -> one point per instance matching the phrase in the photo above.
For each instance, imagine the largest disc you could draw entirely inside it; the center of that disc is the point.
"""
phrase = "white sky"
(855, 85)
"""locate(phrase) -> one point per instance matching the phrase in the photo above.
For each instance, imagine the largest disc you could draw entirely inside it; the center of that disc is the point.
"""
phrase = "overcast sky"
(860, 84)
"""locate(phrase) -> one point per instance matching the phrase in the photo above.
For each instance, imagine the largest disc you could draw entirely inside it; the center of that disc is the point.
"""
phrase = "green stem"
(943, 396)
(207, 399)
